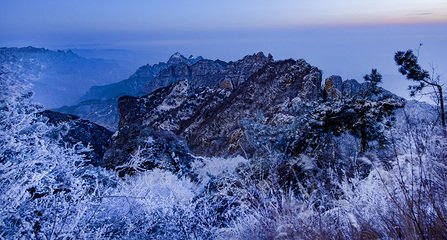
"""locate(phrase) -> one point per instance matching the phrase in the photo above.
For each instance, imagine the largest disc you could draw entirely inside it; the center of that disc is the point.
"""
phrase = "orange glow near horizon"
(31, 17)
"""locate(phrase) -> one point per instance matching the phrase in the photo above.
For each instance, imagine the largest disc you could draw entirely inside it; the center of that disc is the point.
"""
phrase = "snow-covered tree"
(45, 188)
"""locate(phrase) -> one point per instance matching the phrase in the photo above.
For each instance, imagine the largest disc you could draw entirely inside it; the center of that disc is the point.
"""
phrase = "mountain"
(210, 120)
(134, 85)
(60, 77)
(100, 103)
(280, 105)
(252, 149)
(76, 130)
(214, 108)
(201, 107)
(103, 112)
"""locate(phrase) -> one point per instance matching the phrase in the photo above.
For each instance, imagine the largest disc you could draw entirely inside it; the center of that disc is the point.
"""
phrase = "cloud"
(425, 14)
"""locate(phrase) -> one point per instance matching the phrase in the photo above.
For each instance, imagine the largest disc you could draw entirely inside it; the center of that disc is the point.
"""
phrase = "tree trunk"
(363, 141)
(441, 101)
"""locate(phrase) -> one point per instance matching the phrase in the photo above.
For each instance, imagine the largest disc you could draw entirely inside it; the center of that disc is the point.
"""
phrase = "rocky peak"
(176, 96)
(257, 59)
(158, 116)
(311, 86)
(350, 87)
(333, 88)
(148, 71)
(239, 71)
(221, 132)
(192, 60)
(177, 63)
(177, 58)
(200, 73)
(209, 120)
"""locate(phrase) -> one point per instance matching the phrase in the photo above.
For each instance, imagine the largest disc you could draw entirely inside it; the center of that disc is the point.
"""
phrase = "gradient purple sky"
(345, 37)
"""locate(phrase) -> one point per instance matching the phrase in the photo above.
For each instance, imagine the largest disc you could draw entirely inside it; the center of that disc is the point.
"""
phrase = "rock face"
(220, 131)
(239, 71)
(333, 88)
(351, 87)
(336, 89)
(204, 73)
(141, 82)
(100, 103)
(83, 131)
(208, 121)
(198, 71)
(207, 73)
(161, 116)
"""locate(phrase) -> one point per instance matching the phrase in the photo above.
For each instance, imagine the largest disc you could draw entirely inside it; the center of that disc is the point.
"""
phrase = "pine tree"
(366, 118)
(409, 67)
(373, 79)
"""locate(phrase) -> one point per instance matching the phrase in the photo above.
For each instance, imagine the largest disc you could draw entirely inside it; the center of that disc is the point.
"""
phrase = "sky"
(344, 37)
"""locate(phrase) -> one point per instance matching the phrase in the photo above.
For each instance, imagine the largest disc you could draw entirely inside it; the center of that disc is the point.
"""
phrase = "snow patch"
(207, 168)
(176, 97)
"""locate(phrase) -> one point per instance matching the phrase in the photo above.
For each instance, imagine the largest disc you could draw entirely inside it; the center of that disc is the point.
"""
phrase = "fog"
(350, 52)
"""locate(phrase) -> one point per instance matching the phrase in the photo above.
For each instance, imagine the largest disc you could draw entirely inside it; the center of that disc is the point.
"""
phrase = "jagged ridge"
(209, 119)
(200, 72)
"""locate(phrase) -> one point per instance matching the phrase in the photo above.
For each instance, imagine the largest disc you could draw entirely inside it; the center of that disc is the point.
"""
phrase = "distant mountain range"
(100, 103)
(61, 77)
(135, 84)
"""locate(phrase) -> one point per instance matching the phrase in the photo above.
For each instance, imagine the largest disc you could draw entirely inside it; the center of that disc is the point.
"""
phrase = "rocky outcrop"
(161, 116)
(178, 58)
(220, 131)
(207, 73)
(336, 89)
(199, 72)
(208, 121)
(239, 71)
(213, 108)
(333, 88)
(351, 87)
(78, 130)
